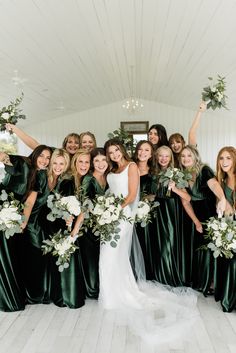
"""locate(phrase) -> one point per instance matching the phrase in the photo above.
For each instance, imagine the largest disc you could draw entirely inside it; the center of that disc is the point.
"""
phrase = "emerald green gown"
(147, 235)
(12, 293)
(167, 228)
(225, 272)
(89, 243)
(65, 288)
(203, 202)
(36, 265)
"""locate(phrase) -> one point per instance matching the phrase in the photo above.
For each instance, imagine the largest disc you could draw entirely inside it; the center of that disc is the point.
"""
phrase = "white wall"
(216, 130)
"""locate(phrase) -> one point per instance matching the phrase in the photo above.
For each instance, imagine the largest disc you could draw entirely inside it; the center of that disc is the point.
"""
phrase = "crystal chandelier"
(132, 103)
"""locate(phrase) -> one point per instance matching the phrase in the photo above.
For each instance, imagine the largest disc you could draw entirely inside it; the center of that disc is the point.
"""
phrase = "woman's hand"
(198, 226)
(172, 186)
(10, 127)
(221, 207)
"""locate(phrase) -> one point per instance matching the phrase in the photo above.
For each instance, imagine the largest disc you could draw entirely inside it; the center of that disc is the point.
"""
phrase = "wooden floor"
(49, 329)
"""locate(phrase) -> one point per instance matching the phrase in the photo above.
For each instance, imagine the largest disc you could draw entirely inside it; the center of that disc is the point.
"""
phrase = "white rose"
(98, 210)
(72, 204)
(5, 115)
(8, 215)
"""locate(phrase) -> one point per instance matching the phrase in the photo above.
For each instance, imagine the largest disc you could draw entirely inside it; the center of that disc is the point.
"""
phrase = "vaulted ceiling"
(73, 55)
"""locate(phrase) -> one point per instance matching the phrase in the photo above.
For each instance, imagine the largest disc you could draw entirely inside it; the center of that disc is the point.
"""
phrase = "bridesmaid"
(169, 227)
(157, 135)
(42, 183)
(93, 184)
(87, 141)
(204, 189)
(225, 269)
(18, 171)
(67, 287)
(12, 294)
(144, 157)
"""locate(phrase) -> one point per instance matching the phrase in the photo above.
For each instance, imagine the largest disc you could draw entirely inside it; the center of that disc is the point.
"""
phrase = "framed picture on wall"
(135, 127)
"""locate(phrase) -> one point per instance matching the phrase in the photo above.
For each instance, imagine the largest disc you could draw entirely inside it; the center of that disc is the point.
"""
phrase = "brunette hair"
(161, 133)
(115, 142)
(151, 162)
(98, 151)
(32, 160)
(177, 137)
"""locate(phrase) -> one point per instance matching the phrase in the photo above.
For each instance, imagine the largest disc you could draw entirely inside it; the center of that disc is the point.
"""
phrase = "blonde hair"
(90, 134)
(74, 172)
(197, 162)
(59, 152)
(167, 149)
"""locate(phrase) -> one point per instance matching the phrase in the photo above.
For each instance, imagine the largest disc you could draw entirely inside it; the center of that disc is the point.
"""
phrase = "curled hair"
(58, 152)
(115, 142)
(151, 161)
(77, 177)
(158, 151)
(72, 134)
(197, 162)
(90, 134)
(161, 133)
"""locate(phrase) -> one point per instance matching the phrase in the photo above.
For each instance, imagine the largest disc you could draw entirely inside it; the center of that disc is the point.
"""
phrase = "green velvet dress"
(167, 227)
(12, 293)
(225, 272)
(36, 265)
(147, 237)
(65, 288)
(204, 204)
(90, 244)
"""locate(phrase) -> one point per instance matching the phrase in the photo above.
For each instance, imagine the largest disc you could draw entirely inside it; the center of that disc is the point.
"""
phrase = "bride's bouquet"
(180, 178)
(103, 216)
(61, 245)
(64, 207)
(11, 216)
(221, 233)
(214, 94)
(145, 210)
(11, 113)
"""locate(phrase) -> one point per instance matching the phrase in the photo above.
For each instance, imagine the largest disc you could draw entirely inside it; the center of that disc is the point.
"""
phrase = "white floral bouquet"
(214, 94)
(11, 216)
(221, 233)
(11, 113)
(2, 171)
(144, 211)
(62, 245)
(63, 206)
(103, 216)
(180, 178)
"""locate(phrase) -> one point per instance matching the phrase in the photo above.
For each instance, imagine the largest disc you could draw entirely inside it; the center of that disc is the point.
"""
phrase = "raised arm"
(192, 138)
(28, 140)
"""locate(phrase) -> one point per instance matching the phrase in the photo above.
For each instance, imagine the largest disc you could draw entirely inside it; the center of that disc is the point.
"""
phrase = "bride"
(155, 312)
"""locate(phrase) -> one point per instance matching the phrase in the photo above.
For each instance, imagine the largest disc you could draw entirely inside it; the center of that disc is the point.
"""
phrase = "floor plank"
(49, 329)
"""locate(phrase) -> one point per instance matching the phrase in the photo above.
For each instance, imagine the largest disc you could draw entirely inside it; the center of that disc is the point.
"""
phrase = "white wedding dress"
(155, 312)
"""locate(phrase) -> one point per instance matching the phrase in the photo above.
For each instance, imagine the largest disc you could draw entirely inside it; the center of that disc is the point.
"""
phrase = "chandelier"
(132, 103)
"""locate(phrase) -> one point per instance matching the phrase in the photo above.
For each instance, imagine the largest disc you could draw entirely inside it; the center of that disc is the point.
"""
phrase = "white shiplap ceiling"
(73, 55)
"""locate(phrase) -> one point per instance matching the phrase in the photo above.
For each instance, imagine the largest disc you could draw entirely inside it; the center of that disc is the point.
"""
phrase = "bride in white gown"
(155, 312)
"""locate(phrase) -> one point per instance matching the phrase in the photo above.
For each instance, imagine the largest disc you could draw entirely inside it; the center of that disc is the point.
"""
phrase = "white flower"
(72, 205)
(98, 210)
(5, 115)
(143, 209)
(63, 247)
(8, 215)
(2, 171)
